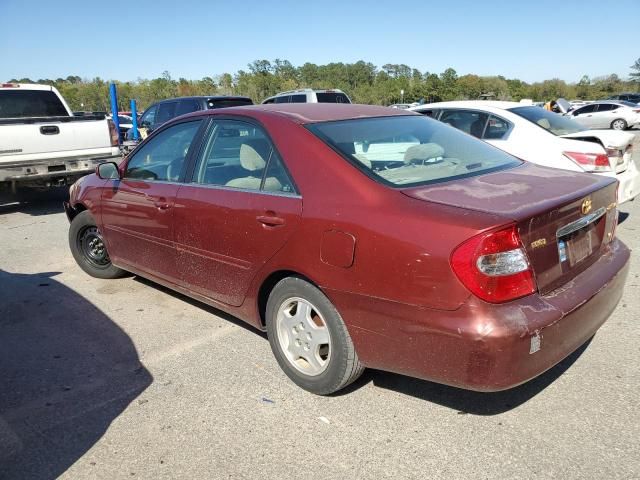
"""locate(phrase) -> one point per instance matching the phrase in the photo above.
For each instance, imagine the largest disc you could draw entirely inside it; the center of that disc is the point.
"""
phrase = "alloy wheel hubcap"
(618, 125)
(303, 336)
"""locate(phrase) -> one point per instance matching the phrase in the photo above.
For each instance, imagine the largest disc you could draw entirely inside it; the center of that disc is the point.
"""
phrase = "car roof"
(205, 97)
(304, 113)
(503, 105)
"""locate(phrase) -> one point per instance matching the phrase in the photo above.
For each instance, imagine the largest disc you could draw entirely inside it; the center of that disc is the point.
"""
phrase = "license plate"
(580, 247)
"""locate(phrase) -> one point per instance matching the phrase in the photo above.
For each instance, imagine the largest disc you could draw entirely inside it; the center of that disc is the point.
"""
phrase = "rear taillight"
(494, 266)
(10, 85)
(113, 133)
(591, 162)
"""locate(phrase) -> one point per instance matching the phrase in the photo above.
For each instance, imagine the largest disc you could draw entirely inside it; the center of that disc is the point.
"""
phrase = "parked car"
(629, 97)
(163, 111)
(308, 95)
(545, 138)
(462, 264)
(125, 123)
(43, 144)
(618, 115)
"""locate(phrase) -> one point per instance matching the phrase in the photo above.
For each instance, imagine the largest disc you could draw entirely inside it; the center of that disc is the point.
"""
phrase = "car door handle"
(162, 204)
(270, 220)
(49, 130)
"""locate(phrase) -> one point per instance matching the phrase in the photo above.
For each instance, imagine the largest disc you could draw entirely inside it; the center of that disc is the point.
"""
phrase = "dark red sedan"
(362, 236)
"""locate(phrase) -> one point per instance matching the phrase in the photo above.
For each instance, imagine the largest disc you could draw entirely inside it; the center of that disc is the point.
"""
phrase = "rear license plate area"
(56, 168)
(579, 245)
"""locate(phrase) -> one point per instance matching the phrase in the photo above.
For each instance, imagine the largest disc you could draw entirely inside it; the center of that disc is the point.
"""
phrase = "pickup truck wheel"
(88, 248)
(619, 124)
(309, 339)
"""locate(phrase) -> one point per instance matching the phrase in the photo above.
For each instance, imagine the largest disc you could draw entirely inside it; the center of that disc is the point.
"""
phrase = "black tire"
(621, 124)
(343, 366)
(82, 232)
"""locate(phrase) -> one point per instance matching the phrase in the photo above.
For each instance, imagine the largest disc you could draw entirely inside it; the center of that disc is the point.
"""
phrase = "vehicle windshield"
(552, 122)
(403, 151)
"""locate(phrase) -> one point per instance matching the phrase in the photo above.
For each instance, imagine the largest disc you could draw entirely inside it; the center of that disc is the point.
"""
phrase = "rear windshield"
(332, 97)
(228, 102)
(30, 103)
(403, 151)
(550, 121)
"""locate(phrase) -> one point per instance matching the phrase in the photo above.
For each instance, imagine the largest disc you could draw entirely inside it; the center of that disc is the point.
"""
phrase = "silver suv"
(308, 95)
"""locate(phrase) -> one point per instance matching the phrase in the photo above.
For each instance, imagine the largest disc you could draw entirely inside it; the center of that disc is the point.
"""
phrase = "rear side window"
(496, 128)
(166, 111)
(187, 106)
(299, 98)
(332, 97)
(30, 103)
(228, 102)
(468, 121)
(605, 107)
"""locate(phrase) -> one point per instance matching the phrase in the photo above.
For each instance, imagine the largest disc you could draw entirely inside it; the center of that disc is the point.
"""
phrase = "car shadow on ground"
(203, 306)
(67, 372)
(34, 202)
(467, 401)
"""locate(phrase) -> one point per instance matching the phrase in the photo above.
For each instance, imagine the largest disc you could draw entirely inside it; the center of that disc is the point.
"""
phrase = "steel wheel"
(303, 336)
(619, 124)
(91, 244)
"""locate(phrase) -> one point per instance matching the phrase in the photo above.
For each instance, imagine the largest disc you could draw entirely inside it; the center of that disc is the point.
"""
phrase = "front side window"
(240, 155)
(403, 151)
(552, 122)
(282, 99)
(605, 107)
(585, 109)
(300, 98)
(431, 112)
(149, 117)
(162, 158)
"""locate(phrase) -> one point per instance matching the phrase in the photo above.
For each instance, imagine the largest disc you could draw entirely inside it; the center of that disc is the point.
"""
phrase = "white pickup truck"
(42, 144)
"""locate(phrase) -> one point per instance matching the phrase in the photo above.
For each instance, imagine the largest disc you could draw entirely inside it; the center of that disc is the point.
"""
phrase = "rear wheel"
(309, 339)
(619, 124)
(88, 248)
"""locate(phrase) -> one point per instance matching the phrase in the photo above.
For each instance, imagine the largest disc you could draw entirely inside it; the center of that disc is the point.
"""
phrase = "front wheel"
(88, 248)
(619, 124)
(309, 339)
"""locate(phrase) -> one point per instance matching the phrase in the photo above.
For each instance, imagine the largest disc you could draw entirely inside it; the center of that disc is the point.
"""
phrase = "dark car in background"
(628, 97)
(165, 110)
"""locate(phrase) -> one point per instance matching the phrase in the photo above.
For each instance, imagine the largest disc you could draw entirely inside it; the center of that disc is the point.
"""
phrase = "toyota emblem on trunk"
(586, 206)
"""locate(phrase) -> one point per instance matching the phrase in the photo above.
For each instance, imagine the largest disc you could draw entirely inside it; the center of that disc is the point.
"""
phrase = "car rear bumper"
(43, 170)
(481, 346)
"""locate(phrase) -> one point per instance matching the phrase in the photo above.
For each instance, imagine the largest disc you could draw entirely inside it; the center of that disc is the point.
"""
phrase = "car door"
(584, 116)
(137, 210)
(604, 115)
(239, 210)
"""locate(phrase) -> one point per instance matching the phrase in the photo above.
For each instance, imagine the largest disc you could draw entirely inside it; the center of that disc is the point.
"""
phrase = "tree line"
(362, 81)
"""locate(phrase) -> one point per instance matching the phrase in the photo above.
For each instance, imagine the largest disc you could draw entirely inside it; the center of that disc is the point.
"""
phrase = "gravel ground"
(124, 379)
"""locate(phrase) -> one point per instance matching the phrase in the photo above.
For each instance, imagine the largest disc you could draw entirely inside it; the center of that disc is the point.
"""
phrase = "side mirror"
(108, 171)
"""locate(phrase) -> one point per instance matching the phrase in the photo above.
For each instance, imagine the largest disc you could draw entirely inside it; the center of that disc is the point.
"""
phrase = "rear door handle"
(270, 220)
(49, 130)
(162, 204)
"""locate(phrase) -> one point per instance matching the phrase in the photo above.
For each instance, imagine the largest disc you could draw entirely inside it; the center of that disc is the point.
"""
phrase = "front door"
(239, 210)
(137, 211)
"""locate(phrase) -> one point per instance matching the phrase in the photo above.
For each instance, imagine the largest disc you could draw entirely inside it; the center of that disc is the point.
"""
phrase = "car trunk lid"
(565, 220)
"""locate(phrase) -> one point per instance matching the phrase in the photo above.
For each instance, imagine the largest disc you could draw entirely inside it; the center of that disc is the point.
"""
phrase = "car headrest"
(424, 151)
(250, 159)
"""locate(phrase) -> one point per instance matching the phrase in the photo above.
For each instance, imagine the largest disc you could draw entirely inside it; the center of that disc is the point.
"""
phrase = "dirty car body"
(453, 262)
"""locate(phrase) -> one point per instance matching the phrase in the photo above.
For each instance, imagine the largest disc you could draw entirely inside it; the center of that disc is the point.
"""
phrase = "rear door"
(137, 211)
(239, 210)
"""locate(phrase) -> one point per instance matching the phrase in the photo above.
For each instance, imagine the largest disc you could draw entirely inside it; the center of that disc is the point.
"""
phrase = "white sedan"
(616, 114)
(545, 138)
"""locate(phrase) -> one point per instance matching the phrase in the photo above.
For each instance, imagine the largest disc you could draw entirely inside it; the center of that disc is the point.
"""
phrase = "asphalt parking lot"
(124, 379)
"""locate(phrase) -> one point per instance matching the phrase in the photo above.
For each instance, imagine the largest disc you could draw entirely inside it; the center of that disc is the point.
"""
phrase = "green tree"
(635, 76)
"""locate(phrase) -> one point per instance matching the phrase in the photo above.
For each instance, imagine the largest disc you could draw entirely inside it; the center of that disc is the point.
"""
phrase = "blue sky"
(530, 40)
